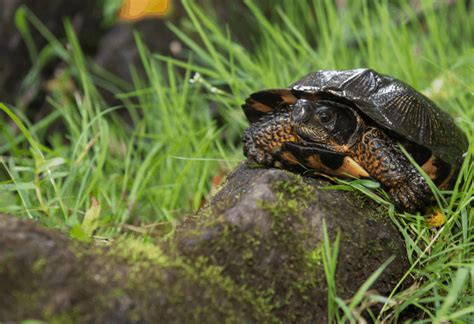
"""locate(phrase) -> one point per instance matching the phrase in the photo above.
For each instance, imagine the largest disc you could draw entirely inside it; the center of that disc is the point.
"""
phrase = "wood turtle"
(350, 123)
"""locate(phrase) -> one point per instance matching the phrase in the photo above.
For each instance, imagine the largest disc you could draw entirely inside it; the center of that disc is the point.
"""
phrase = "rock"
(253, 254)
(265, 229)
(46, 276)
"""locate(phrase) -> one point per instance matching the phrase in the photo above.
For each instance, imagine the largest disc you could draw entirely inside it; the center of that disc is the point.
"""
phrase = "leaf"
(78, 233)
(17, 186)
(368, 183)
(51, 163)
(90, 221)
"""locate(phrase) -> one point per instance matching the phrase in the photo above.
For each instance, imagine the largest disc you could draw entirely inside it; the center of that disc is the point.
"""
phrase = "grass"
(89, 168)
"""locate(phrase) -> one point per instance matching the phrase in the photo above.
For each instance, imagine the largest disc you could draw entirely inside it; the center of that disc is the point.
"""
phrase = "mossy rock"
(265, 228)
(253, 254)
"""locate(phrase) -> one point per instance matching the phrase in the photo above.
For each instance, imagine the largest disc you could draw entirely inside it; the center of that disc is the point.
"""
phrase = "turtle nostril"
(300, 113)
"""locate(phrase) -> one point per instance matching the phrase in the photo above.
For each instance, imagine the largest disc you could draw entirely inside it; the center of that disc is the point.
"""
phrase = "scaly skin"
(263, 140)
(381, 157)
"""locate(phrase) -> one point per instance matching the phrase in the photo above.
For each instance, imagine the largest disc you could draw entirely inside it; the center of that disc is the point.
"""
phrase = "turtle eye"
(326, 116)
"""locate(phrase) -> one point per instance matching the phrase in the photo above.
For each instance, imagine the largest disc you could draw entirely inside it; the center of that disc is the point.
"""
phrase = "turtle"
(354, 123)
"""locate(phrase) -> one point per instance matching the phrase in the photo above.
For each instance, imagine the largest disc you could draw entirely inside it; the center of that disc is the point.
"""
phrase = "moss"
(63, 318)
(315, 256)
(173, 282)
(39, 265)
(289, 226)
(136, 250)
(284, 283)
(214, 276)
(34, 305)
(295, 188)
(6, 260)
(28, 300)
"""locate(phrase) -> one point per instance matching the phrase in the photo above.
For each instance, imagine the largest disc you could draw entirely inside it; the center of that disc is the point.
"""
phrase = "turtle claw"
(411, 195)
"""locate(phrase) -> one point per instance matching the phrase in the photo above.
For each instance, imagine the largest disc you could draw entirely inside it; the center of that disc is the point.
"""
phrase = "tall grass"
(150, 159)
(150, 169)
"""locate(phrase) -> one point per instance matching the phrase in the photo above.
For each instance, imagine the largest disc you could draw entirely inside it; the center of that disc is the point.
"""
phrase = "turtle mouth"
(311, 144)
(311, 137)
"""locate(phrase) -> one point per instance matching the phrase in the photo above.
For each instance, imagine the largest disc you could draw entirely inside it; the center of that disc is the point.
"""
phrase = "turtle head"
(325, 123)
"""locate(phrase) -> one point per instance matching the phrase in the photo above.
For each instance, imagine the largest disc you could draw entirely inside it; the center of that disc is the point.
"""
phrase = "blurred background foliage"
(144, 118)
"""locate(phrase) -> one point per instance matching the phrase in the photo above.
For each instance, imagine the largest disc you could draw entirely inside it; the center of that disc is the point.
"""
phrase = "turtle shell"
(390, 103)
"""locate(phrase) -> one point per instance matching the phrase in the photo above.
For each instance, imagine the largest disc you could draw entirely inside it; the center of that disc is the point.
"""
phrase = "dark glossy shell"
(389, 102)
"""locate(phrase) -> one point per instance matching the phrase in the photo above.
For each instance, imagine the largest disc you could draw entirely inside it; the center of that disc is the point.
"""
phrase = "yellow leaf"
(137, 9)
(90, 221)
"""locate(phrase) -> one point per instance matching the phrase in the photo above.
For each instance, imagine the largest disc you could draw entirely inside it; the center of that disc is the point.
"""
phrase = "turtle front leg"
(385, 162)
(264, 138)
